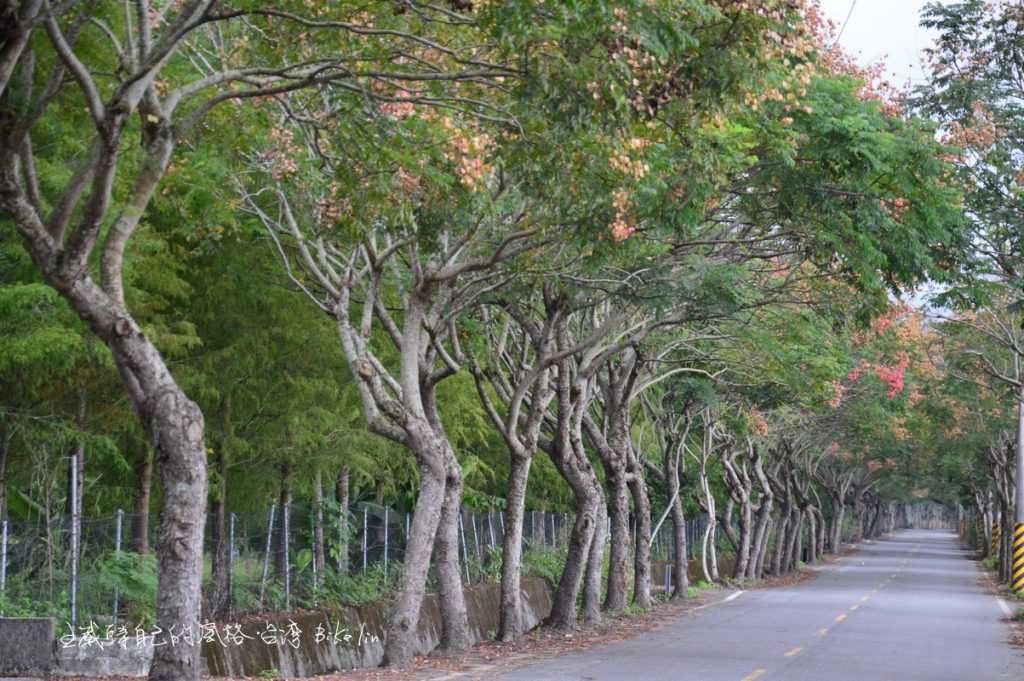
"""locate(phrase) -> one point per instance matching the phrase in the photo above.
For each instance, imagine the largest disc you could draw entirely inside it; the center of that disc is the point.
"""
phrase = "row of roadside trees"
(642, 254)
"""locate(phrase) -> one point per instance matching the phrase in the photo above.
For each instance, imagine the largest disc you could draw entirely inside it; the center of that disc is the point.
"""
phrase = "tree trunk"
(642, 550)
(763, 520)
(838, 514)
(510, 616)
(341, 495)
(812, 536)
(454, 618)
(764, 514)
(781, 537)
(563, 608)
(822, 532)
(140, 525)
(680, 559)
(709, 548)
(793, 540)
(618, 555)
(181, 455)
(592, 579)
(743, 552)
(405, 612)
(763, 554)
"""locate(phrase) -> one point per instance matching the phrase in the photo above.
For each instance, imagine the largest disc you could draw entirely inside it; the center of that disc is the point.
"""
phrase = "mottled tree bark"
(618, 522)
(405, 611)
(642, 549)
(838, 516)
(455, 635)
(680, 564)
(593, 576)
(510, 622)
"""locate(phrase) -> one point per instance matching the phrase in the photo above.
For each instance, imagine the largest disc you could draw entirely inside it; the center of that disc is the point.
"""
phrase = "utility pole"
(1017, 544)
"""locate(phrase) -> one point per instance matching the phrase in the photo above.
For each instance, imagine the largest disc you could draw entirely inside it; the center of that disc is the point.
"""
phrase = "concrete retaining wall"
(26, 646)
(353, 638)
(303, 644)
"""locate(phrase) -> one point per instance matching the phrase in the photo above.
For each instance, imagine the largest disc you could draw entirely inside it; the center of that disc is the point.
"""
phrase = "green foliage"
(356, 589)
(134, 577)
(545, 562)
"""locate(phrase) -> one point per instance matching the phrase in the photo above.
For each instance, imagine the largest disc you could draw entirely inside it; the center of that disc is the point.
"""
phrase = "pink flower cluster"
(893, 377)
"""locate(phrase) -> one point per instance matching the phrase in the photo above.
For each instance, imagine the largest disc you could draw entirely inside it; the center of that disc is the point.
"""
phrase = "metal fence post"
(365, 525)
(285, 532)
(3, 564)
(231, 560)
(117, 550)
(74, 541)
(266, 555)
(312, 534)
(465, 553)
(386, 509)
(476, 535)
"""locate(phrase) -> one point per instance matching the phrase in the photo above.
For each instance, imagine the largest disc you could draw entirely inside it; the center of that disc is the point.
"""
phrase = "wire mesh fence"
(271, 558)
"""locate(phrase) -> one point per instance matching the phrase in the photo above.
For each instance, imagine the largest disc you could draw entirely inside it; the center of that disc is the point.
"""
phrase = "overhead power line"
(849, 14)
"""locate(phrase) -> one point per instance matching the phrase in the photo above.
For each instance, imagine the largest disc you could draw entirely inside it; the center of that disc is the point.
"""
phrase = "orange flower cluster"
(622, 228)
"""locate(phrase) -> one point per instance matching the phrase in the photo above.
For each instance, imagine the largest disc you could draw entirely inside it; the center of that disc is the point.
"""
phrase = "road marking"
(822, 631)
(854, 607)
(758, 673)
(794, 652)
(728, 598)
(840, 618)
(864, 599)
(1004, 607)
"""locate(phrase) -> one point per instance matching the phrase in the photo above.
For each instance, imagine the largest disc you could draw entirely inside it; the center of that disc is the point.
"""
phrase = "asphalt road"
(908, 608)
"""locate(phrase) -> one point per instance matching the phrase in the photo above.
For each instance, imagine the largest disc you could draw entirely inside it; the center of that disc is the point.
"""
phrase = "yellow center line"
(840, 618)
(822, 631)
(758, 673)
(794, 652)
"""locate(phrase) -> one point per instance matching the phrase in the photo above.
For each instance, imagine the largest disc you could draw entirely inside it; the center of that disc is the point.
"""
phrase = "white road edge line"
(730, 597)
(736, 595)
(1004, 607)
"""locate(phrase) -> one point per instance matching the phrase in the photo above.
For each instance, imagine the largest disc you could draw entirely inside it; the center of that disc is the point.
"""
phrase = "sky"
(883, 29)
